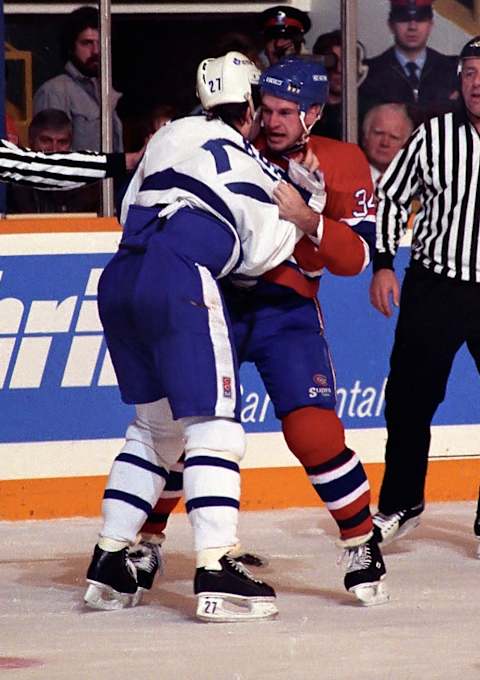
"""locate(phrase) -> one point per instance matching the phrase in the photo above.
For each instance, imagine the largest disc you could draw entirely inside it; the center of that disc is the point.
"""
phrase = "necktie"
(413, 78)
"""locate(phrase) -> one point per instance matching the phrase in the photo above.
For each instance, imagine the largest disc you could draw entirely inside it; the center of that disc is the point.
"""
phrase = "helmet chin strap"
(301, 142)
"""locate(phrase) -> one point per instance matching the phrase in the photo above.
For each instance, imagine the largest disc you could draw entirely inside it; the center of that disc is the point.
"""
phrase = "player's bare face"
(281, 123)
(471, 89)
(411, 36)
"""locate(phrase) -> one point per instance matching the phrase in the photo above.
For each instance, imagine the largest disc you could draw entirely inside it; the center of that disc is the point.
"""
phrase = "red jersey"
(348, 218)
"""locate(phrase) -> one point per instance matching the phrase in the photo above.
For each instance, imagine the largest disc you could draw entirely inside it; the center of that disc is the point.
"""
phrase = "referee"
(61, 170)
(440, 298)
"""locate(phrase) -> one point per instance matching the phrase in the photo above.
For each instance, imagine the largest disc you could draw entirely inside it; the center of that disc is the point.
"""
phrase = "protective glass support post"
(349, 70)
(2, 101)
(476, 11)
(106, 99)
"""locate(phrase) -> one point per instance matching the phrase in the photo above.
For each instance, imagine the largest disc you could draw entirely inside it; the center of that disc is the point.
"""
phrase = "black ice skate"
(147, 560)
(112, 579)
(388, 527)
(476, 525)
(232, 594)
(365, 572)
(247, 558)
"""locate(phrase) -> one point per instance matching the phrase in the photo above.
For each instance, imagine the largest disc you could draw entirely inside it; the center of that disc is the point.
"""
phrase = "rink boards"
(62, 422)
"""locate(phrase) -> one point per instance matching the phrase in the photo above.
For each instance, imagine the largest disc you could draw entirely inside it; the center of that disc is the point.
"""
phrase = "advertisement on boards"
(57, 381)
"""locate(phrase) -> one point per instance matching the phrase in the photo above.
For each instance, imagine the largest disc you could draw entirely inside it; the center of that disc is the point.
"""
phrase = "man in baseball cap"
(283, 31)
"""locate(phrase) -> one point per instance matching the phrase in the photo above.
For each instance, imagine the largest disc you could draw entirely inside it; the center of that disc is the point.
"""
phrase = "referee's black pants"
(437, 315)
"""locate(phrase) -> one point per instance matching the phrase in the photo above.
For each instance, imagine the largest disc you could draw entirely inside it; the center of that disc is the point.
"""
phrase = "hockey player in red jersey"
(278, 324)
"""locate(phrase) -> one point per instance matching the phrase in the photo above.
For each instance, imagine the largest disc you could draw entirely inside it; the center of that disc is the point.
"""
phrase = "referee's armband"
(382, 261)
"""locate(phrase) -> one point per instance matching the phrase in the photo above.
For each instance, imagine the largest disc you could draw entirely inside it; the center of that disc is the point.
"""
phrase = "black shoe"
(364, 573)
(147, 560)
(112, 579)
(388, 527)
(232, 594)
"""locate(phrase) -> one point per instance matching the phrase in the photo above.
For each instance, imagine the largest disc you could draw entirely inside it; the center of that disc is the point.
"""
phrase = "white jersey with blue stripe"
(206, 164)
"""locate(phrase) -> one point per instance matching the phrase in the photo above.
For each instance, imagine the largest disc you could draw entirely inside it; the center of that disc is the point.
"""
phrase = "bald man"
(385, 130)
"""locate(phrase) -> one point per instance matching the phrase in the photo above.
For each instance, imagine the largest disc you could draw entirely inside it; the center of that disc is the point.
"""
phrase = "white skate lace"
(387, 522)
(130, 565)
(238, 566)
(358, 558)
(144, 557)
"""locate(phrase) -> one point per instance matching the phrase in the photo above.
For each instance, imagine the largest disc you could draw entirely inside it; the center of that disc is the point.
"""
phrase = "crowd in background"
(417, 80)
(408, 87)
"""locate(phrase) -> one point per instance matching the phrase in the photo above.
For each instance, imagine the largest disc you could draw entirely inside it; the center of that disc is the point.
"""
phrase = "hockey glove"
(313, 182)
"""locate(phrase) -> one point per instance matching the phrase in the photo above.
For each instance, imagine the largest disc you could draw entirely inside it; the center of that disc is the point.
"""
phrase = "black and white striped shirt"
(440, 165)
(56, 170)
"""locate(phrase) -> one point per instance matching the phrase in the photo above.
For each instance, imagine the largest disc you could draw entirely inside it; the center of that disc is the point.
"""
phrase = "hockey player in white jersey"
(199, 207)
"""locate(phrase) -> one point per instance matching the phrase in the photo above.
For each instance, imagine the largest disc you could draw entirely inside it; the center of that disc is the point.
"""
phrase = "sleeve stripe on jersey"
(31, 175)
(250, 190)
(81, 161)
(63, 171)
(171, 179)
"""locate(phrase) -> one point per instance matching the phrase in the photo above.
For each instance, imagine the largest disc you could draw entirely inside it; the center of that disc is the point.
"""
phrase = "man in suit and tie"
(409, 72)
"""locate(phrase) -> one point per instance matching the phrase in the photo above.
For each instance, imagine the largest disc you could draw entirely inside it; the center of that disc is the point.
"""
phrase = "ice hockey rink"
(429, 630)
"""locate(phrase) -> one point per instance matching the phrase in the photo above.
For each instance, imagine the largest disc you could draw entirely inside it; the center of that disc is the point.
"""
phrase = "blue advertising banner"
(57, 382)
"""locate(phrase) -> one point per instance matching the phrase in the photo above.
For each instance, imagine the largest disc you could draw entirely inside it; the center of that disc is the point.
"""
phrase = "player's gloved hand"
(311, 181)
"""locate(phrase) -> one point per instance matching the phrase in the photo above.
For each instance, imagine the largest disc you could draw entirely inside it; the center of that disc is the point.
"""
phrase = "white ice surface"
(429, 631)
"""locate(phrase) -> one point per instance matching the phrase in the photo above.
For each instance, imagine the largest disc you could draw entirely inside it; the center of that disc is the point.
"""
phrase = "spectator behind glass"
(283, 29)
(77, 90)
(409, 72)
(329, 46)
(139, 127)
(51, 132)
(237, 42)
(386, 128)
(234, 42)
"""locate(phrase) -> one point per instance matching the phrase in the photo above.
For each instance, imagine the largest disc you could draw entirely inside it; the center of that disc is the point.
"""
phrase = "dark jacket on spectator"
(387, 82)
(23, 199)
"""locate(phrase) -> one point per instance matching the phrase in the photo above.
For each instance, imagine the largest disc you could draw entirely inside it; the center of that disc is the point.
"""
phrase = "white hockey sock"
(209, 558)
(212, 498)
(214, 448)
(153, 444)
(110, 544)
(134, 486)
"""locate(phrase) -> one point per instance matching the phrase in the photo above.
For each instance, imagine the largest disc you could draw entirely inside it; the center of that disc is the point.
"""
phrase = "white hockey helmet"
(226, 80)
